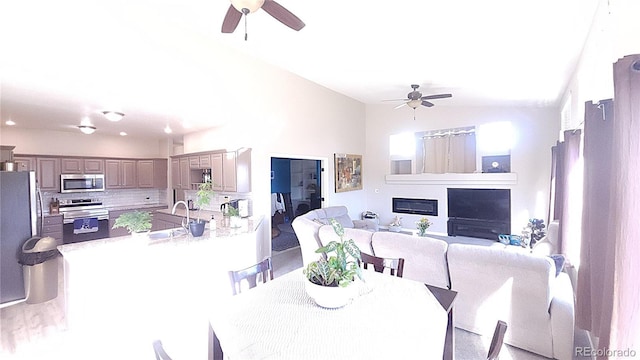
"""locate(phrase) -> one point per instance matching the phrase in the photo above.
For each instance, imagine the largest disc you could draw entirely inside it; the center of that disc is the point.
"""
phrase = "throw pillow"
(559, 261)
(322, 221)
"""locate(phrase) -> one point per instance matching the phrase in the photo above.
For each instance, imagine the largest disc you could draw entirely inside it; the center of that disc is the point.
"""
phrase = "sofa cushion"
(424, 258)
(495, 284)
(362, 238)
(307, 233)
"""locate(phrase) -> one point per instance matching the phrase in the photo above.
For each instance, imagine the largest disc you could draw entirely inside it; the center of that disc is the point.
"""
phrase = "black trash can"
(39, 259)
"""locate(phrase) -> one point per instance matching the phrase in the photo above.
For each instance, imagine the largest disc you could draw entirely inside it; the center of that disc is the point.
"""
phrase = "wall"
(612, 36)
(39, 142)
(536, 131)
(285, 116)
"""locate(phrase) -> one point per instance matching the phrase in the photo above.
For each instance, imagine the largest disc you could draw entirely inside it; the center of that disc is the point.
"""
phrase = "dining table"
(389, 318)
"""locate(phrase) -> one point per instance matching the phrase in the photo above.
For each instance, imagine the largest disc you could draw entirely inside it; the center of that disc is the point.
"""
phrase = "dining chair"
(497, 340)
(379, 264)
(159, 350)
(251, 273)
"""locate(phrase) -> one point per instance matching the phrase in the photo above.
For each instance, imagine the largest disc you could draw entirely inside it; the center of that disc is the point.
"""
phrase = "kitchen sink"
(167, 234)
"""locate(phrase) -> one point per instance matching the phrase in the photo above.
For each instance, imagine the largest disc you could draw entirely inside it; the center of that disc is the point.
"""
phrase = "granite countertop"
(154, 239)
(134, 206)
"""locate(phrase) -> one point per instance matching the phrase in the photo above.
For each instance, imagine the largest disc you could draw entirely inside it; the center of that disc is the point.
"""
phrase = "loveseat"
(494, 283)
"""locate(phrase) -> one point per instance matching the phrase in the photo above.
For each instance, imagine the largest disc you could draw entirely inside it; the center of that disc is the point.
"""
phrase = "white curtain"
(455, 153)
(608, 298)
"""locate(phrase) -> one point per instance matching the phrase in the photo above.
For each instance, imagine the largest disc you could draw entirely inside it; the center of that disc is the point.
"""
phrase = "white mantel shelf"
(453, 179)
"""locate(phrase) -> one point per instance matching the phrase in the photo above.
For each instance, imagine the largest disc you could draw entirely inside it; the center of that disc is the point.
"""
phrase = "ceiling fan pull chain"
(246, 12)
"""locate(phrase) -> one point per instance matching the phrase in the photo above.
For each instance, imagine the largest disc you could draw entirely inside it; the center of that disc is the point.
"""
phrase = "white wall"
(285, 115)
(40, 142)
(614, 34)
(536, 131)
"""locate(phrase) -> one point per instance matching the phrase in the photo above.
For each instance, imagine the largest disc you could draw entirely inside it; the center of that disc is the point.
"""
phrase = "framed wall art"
(348, 170)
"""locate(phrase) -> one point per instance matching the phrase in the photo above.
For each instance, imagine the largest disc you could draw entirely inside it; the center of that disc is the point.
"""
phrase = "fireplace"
(481, 213)
(415, 206)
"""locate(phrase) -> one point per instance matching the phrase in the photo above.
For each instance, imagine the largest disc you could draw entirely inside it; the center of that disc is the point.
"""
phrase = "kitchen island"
(130, 290)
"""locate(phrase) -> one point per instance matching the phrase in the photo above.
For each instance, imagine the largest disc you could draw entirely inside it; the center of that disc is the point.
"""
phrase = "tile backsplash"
(111, 198)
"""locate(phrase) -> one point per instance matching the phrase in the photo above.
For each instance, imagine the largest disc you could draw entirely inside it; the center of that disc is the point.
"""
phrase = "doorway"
(296, 188)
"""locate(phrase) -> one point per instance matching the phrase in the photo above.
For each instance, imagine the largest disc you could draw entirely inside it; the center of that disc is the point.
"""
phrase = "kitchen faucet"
(173, 212)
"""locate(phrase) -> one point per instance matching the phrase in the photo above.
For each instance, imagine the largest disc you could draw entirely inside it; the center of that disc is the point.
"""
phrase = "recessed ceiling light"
(10, 122)
(168, 130)
(122, 133)
(113, 115)
(87, 129)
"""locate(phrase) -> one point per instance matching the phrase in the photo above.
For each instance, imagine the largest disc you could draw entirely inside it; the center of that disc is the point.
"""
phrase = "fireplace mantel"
(483, 179)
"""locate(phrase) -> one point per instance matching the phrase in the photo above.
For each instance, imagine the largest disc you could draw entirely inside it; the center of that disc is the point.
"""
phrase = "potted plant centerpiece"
(203, 197)
(330, 277)
(136, 222)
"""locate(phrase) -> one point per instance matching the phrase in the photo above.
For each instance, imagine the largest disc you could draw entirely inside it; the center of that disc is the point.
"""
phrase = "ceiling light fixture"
(87, 129)
(113, 115)
(122, 133)
(414, 103)
(168, 130)
(10, 122)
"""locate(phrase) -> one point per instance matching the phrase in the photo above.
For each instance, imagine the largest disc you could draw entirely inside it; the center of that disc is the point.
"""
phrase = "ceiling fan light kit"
(415, 99)
(113, 115)
(87, 129)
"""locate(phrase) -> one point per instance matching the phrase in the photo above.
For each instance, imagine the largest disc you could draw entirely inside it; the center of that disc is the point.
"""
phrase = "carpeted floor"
(285, 240)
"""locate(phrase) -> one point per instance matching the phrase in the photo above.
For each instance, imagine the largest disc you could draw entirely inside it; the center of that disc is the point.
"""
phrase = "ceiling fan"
(246, 7)
(415, 98)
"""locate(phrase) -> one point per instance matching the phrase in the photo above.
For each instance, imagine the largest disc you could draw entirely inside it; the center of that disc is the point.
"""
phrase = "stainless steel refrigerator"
(19, 222)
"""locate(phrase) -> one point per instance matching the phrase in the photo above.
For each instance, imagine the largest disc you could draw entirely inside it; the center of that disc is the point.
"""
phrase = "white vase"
(330, 297)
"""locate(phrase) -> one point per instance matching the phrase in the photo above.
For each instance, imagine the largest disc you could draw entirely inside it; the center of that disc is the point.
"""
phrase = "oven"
(83, 220)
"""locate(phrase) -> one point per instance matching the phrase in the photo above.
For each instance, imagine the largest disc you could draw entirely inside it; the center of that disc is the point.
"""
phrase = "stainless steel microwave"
(70, 183)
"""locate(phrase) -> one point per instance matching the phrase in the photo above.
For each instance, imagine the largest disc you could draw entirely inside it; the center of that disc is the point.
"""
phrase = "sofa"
(495, 282)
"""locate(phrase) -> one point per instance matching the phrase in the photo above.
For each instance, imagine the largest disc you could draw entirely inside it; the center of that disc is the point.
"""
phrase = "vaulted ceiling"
(70, 58)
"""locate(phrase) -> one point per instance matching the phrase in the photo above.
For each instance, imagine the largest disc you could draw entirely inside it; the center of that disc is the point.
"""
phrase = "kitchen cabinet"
(120, 174)
(216, 171)
(152, 173)
(25, 163)
(175, 173)
(48, 173)
(197, 162)
(163, 221)
(236, 171)
(185, 174)
(81, 166)
(52, 227)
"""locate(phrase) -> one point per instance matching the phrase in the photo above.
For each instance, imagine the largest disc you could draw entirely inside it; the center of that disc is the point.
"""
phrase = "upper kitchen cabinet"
(82, 166)
(48, 173)
(152, 173)
(120, 174)
(200, 162)
(231, 171)
(25, 163)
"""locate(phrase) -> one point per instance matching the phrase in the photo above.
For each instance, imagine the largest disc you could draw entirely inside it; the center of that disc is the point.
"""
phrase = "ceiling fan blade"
(231, 20)
(283, 15)
(395, 100)
(426, 103)
(436, 96)
(401, 105)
